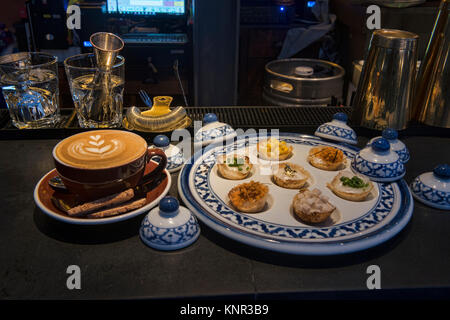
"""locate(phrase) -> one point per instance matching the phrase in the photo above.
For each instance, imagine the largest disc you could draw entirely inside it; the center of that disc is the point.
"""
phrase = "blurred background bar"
(220, 53)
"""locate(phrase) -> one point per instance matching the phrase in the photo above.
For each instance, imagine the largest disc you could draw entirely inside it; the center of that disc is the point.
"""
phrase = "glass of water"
(97, 94)
(29, 81)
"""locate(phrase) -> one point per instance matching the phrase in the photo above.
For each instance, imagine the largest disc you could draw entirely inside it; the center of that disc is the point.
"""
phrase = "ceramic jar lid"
(169, 226)
(175, 158)
(396, 145)
(433, 188)
(337, 130)
(213, 131)
(378, 162)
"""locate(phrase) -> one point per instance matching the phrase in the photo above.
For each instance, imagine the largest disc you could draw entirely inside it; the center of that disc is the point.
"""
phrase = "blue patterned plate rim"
(349, 132)
(336, 139)
(356, 243)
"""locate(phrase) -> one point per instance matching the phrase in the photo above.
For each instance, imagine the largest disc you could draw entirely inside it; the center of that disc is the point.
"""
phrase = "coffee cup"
(97, 163)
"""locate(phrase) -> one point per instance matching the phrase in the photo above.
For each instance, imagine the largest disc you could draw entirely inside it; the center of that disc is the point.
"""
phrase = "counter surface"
(36, 250)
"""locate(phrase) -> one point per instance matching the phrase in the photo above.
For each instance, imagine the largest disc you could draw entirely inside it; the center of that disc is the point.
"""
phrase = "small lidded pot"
(397, 146)
(213, 131)
(337, 130)
(378, 162)
(169, 226)
(433, 188)
(175, 158)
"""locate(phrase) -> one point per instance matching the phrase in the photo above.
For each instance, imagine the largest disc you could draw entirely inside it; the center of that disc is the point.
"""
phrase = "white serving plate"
(352, 227)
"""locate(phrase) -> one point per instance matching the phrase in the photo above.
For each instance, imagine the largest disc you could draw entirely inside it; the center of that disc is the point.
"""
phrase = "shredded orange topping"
(328, 154)
(251, 191)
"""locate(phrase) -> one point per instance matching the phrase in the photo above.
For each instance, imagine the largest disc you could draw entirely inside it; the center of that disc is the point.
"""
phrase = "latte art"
(100, 149)
(96, 147)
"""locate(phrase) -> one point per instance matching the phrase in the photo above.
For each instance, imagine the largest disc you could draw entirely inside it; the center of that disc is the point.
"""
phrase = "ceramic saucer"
(43, 194)
(433, 188)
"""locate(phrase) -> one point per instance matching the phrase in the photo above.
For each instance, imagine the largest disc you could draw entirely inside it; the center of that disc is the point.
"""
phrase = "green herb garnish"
(354, 182)
(237, 163)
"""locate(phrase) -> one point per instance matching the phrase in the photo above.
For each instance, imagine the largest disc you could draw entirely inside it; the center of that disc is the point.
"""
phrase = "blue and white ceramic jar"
(169, 226)
(337, 130)
(397, 146)
(378, 162)
(175, 157)
(213, 131)
(433, 188)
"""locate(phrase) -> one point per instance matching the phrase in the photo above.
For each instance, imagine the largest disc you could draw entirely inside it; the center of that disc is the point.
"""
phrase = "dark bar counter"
(36, 250)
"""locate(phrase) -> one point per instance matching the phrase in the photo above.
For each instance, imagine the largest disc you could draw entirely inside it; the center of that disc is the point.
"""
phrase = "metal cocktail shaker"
(432, 95)
(385, 90)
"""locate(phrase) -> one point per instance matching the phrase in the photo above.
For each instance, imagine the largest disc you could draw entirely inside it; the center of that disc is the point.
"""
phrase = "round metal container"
(399, 3)
(290, 82)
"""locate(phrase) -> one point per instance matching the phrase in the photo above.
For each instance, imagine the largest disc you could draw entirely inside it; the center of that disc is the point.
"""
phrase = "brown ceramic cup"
(98, 163)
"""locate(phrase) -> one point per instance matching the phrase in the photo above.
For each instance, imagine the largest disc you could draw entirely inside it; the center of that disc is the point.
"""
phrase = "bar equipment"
(98, 100)
(160, 118)
(395, 3)
(384, 95)
(106, 48)
(432, 99)
(29, 82)
(303, 82)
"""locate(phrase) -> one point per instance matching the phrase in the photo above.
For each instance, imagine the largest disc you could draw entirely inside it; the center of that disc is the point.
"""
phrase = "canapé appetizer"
(350, 186)
(249, 197)
(326, 158)
(274, 149)
(290, 175)
(312, 206)
(234, 166)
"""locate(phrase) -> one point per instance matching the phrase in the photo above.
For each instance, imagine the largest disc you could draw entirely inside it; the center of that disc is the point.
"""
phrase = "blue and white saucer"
(399, 147)
(213, 131)
(337, 130)
(169, 226)
(175, 157)
(433, 188)
(378, 162)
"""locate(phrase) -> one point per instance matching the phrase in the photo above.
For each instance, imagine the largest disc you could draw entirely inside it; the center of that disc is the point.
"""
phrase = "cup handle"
(151, 153)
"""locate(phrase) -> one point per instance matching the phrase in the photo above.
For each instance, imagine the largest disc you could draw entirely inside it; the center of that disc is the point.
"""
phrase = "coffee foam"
(100, 149)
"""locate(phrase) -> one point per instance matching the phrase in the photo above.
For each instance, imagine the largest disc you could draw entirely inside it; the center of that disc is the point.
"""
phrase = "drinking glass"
(29, 81)
(97, 94)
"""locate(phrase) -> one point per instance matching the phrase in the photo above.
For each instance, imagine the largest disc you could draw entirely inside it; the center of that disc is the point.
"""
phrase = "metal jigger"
(106, 48)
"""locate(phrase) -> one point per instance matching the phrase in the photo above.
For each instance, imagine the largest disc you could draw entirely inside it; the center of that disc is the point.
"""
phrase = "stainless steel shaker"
(432, 95)
(385, 90)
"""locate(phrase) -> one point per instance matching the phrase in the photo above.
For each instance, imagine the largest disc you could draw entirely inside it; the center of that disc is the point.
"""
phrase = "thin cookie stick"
(118, 210)
(105, 202)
